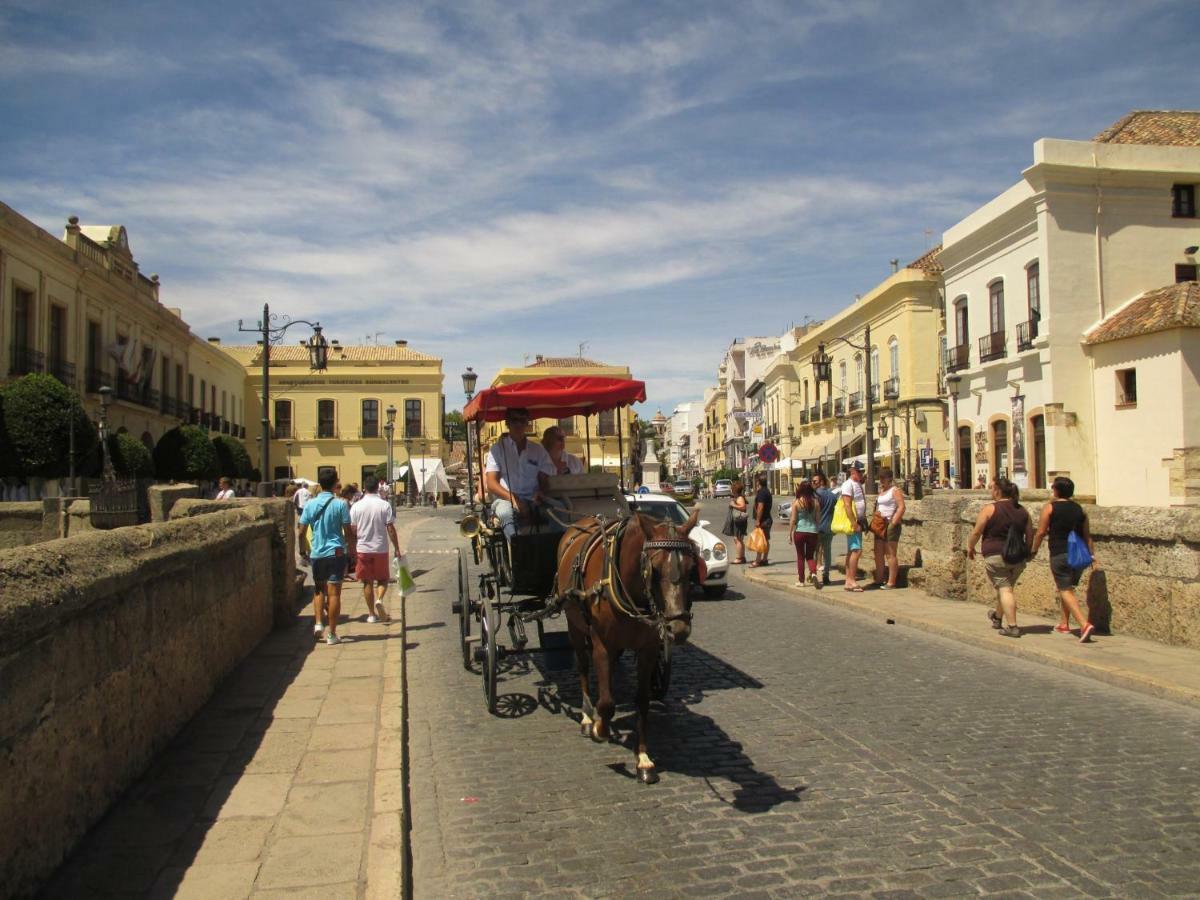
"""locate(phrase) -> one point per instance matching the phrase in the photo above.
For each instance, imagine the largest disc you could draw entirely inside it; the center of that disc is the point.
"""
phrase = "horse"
(624, 584)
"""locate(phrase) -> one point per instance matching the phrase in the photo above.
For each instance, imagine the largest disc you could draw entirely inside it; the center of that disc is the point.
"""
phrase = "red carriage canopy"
(555, 398)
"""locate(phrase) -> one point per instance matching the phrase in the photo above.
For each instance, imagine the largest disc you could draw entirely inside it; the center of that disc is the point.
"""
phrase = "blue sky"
(497, 180)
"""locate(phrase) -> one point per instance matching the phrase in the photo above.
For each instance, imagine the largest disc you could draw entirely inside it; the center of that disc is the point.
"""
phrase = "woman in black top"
(992, 525)
(762, 518)
(1060, 517)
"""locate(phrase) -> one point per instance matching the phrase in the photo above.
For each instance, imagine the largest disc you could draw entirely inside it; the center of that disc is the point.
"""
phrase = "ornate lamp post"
(960, 478)
(106, 395)
(389, 431)
(823, 370)
(288, 449)
(318, 360)
(468, 382)
(424, 453)
(411, 479)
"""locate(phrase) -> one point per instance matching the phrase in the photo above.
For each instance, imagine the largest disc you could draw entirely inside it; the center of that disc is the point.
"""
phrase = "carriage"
(514, 588)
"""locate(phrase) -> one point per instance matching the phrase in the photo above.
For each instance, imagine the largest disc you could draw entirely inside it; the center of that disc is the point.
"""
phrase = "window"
(203, 395)
(1126, 388)
(1183, 201)
(1000, 448)
(567, 426)
(842, 374)
(1185, 272)
(1033, 290)
(326, 419)
(191, 394)
(996, 306)
(894, 357)
(283, 419)
(94, 352)
(179, 383)
(22, 318)
(58, 334)
(962, 326)
(606, 423)
(875, 366)
(164, 384)
(370, 419)
(224, 397)
(858, 372)
(412, 418)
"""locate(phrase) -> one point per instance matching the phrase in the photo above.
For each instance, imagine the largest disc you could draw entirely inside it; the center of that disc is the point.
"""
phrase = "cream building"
(715, 424)
(79, 308)
(594, 439)
(336, 418)
(1090, 226)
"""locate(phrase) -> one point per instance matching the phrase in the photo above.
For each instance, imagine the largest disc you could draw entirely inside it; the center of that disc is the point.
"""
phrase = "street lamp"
(424, 453)
(389, 431)
(318, 360)
(106, 396)
(959, 480)
(288, 447)
(409, 495)
(823, 370)
(468, 382)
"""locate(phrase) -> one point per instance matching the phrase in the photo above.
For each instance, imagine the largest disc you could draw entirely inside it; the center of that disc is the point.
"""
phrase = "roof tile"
(1161, 309)
(339, 352)
(567, 362)
(928, 261)
(1165, 127)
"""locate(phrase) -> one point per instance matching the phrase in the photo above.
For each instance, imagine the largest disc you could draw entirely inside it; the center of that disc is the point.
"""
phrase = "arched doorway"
(1037, 428)
(966, 472)
(1000, 449)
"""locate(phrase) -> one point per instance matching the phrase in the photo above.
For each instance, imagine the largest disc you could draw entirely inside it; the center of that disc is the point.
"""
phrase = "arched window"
(996, 305)
(894, 358)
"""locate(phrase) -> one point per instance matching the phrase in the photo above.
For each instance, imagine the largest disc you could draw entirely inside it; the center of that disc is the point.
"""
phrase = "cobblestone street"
(803, 750)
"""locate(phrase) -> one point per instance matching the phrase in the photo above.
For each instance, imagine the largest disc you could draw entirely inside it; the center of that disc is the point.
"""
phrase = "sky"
(490, 181)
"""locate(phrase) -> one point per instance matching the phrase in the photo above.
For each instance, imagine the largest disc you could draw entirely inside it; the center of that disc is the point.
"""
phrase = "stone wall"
(112, 641)
(162, 497)
(1149, 585)
(21, 524)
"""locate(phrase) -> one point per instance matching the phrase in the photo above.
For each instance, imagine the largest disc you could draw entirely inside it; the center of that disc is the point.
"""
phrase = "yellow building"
(337, 417)
(603, 451)
(714, 429)
(79, 308)
(904, 313)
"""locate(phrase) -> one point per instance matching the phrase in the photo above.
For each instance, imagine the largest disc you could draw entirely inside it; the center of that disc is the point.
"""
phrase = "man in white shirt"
(225, 490)
(516, 472)
(855, 499)
(374, 523)
(301, 497)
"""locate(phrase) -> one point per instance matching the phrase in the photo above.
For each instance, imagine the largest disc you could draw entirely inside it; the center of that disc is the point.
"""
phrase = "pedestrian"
(1060, 517)
(225, 489)
(763, 520)
(854, 498)
(806, 525)
(889, 503)
(739, 515)
(299, 499)
(992, 525)
(828, 500)
(374, 524)
(329, 516)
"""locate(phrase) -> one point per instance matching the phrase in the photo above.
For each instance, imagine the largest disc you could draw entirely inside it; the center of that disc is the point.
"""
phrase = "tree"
(232, 459)
(727, 474)
(186, 454)
(39, 413)
(129, 456)
(381, 471)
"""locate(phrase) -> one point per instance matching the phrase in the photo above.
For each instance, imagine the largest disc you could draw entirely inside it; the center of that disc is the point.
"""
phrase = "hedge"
(39, 412)
(186, 454)
(232, 459)
(129, 456)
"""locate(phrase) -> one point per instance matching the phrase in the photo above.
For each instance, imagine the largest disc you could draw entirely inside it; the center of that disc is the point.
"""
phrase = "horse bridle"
(677, 547)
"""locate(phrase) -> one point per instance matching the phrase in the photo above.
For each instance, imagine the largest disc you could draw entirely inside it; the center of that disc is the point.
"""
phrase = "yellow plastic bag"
(841, 523)
(757, 542)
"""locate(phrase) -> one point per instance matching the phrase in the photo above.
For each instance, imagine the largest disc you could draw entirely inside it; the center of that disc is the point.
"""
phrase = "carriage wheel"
(489, 626)
(464, 610)
(660, 679)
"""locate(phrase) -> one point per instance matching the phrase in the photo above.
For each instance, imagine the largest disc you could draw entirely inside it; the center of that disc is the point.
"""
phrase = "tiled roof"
(1166, 127)
(567, 362)
(348, 353)
(928, 261)
(1173, 306)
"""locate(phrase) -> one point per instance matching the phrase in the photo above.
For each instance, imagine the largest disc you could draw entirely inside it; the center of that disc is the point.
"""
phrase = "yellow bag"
(841, 523)
(757, 542)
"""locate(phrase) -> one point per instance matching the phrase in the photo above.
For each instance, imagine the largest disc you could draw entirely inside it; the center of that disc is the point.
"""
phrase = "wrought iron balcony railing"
(992, 346)
(814, 413)
(283, 431)
(62, 370)
(826, 409)
(958, 358)
(804, 417)
(856, 401)
(326, 431)
(875, 392)
(891, 388)
(94, 379)
(1027, 333)
(26, 360)
(839, 406)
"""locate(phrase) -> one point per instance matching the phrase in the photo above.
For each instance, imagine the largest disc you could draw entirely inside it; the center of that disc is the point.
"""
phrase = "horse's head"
(670, 558)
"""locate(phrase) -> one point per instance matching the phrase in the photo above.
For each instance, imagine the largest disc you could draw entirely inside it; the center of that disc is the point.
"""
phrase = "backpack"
(1014, 546)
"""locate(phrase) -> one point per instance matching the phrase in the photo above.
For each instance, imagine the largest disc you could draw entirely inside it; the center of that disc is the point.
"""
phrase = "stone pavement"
(288, 783)
(1141, 665)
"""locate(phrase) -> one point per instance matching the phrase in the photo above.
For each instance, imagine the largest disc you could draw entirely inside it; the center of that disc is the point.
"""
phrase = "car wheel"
(715, 591)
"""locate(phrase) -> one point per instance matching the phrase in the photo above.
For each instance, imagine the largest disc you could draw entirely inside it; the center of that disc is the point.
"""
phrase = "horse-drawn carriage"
(621, 579)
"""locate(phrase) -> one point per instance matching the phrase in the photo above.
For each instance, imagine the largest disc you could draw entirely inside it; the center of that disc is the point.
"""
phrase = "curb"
(1135, 681)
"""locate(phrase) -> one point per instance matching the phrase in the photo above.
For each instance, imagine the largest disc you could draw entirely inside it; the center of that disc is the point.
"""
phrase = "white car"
(722, 488)
(711, 547)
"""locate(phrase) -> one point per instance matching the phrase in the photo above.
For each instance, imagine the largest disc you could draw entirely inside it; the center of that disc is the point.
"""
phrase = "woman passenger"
(992, 525)
(555, 442)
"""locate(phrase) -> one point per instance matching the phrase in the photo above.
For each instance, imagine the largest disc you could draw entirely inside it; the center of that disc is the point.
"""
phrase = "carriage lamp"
(468, 380)
(822, 364)
(883, 428)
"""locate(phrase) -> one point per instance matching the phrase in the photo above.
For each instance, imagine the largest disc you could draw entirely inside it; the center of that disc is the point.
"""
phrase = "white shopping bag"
(402, 576)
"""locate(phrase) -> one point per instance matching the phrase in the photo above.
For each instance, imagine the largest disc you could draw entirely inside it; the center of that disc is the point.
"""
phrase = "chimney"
(216, 342)
(259, 342)
(401, 343)
(895, 266)
(538, 357)
(335, 342)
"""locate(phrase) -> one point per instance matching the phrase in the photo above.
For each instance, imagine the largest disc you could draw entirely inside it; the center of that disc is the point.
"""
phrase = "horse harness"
(610, 583)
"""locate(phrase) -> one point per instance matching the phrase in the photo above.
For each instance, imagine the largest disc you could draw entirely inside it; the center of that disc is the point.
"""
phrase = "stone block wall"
(1149, 585)
(162, 497)
(21, 524)
(113, 640)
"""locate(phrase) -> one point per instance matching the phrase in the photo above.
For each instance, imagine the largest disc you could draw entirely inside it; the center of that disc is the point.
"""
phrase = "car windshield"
(683, 484)
(663, 511)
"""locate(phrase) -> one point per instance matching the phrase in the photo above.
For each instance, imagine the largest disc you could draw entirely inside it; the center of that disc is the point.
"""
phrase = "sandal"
(994, 617)
(854, 590)
(738, 562)
(755, 564)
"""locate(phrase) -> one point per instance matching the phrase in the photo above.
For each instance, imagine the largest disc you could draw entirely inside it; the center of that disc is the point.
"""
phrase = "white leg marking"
(644, 761)
(586, 720)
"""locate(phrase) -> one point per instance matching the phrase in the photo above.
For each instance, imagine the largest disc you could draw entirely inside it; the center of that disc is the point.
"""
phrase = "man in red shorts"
(374, 523)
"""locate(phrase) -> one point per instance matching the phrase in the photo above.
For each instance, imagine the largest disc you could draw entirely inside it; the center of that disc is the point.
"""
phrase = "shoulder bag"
(841, 523)
(1078, 555)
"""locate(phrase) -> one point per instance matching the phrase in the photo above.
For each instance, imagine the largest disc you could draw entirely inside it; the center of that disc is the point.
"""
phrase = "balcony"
(26, 361)
(168, 406)
(242, 432)
(891, 389)
(814, 413)
(94, 379)
(126, 391)
(225, 426)
(214, 422)
(63, 371)
(147, 397)
(992, 346)
(839, 406)
(183, 410)
(1027, 333)
(326, 431)
(369, 432)
(856, 401)
(875, 392)
(826, 409)
(958, 358)
(804, 417)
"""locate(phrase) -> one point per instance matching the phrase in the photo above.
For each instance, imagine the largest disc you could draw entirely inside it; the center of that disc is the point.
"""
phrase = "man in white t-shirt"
(855, 499)
(225, 490)
(516, 472)
(374, 523)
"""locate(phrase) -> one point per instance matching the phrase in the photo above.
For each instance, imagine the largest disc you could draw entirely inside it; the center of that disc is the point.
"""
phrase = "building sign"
(1018, 435)
(981, 446)
(926, 457)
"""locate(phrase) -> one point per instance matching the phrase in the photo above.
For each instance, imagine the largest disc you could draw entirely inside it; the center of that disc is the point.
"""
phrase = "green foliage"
(186, 454)
(129, 456)
(381, 471)
(38, 415)
(232, 459)
(728, 474)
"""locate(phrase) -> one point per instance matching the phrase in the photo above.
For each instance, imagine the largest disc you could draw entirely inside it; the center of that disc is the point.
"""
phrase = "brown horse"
(625, 583)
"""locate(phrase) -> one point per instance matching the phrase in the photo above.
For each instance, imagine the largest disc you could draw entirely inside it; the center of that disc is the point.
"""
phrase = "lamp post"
(318, 358)
(411, 479)
(468, 382)
(288, 449)
(424, 453)
(389, 431)
(823, 370)
(959, 480)
(106, 395)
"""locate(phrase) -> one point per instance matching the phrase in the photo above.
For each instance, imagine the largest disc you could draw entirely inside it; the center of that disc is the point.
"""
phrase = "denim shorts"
(329, 569)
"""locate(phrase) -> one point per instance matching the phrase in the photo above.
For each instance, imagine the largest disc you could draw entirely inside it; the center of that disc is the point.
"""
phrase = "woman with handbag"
(885, 525)
(739, 514)
(999, 520)
(806, 523)
(1061, 518)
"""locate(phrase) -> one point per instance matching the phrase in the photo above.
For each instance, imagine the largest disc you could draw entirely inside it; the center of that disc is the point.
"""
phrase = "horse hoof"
(596, 734)
(648, 776)
(585, 729)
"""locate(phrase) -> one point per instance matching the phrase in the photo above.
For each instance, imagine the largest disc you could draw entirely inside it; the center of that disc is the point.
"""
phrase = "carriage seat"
(591, 494)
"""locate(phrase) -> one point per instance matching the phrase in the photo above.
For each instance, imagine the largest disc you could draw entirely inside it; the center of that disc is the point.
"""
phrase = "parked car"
(723, 487)
(785, 509)
(711, 547)
(683, 490)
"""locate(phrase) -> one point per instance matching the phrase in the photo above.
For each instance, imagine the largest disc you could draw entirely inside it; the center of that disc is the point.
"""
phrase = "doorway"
(1000, 449)
(966, 477)
(1038, 428)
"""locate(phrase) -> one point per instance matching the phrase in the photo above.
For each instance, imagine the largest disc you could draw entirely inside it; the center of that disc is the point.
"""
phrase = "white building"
(1090, 226)
(684, 419)
(745, 360)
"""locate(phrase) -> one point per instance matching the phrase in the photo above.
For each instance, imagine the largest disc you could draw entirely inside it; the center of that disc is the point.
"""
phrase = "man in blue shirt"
(827, 499)
(328, 517)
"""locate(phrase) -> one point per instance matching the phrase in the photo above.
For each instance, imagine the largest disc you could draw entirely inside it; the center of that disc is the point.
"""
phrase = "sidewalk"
(1172, 673)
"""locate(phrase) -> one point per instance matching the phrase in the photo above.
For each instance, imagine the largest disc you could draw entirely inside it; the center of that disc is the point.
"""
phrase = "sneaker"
(318, 632)
(1085, 633)
(381, 612)
(1010, 631)
(1062, 629)
(825, 579)
(371, 620)
(813, 580)
(994, 618)
(331, 639)
(798, 584)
